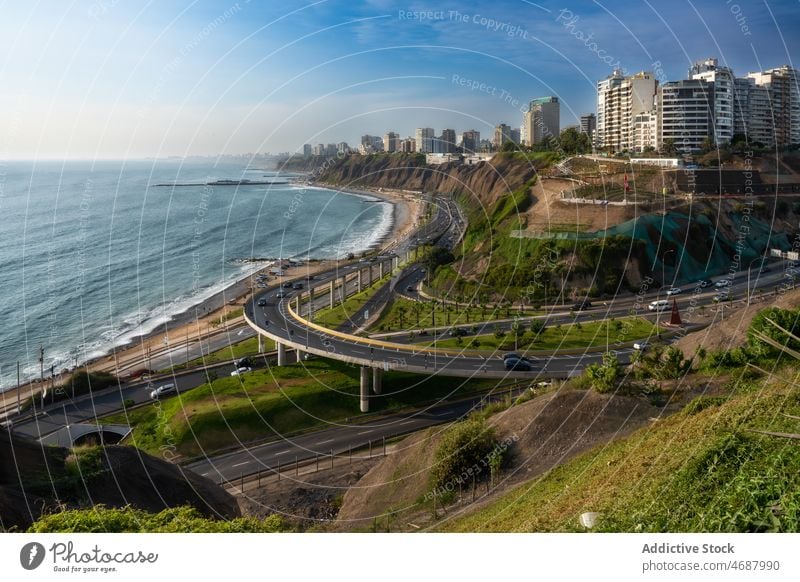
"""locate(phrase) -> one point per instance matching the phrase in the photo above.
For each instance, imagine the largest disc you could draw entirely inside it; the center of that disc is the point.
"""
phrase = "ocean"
(93, 254)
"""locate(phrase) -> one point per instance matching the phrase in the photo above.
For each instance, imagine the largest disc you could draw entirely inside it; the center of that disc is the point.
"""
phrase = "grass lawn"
(701, 470)
(406, 314)
(273, 402)
(574, 335)
(248, 347)
(333, 318)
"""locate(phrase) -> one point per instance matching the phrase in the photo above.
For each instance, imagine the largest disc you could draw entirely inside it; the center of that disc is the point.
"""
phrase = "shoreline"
(195, 323)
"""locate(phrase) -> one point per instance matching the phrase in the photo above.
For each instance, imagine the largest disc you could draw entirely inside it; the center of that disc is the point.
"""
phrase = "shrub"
(464, 449)
(127, 519)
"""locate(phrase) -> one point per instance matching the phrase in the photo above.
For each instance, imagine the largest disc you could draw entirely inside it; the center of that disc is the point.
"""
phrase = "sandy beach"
(209, 317)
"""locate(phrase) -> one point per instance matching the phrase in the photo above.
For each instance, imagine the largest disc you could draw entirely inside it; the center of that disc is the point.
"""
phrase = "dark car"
(287, 285)
(297, 286)
(410, 289)
(244, 363)
(262, 302)
(518, 365)
(581, 305)
(765, 270)
(458, 332)
(705, 283)
(512, 356)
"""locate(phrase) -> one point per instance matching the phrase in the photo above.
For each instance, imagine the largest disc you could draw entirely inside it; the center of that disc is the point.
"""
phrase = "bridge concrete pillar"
(299, 354)
(358, 280)
(281, 354)
(377, 377)
(395, 262)
(380, 270)
(343, 290)
(333, 284)
(369, 271)
(364, 389)
(260, 343)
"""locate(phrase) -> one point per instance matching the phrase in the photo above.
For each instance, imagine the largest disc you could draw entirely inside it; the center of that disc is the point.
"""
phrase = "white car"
(240, 371)
(722, 283)
(164, 390)
(674, 291)
(659, 305)
(641, 346)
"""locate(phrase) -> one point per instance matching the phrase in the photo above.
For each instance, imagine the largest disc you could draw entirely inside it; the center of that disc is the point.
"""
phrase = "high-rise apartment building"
(425, 137)
(784, 101)
(408, 145)
(391, 142)
(541, 120)
(448, 141)
(645, 131)
(724, 97)
(470, 141)
(686, 114)
(619, 100)
(589, 125)
(308, 151)
(502, 134)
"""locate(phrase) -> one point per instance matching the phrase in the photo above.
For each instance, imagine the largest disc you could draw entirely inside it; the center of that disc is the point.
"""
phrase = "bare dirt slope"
(548, 213)
(730, 331)
(545, 431)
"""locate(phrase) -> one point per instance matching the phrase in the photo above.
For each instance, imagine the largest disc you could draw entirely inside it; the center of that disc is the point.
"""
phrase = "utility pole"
(19, 391)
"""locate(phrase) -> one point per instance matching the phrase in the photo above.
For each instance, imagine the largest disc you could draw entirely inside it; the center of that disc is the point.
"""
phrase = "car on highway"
(518, 365)
(297, 286)
(581, 305)
(287, 285)
(765, 270)
(262, 302)
(240, 371)
(641, 346)
(722, 283)
(164, 390)
(674, 291)
(723, 295)
(512, 356)
(659, 305)
(457, 332)
(280, 295)
(704, 283)
(410, 289)
(243, 362)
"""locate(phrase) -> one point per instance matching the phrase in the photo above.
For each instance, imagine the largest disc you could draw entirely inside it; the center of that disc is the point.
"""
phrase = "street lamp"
(663, 276)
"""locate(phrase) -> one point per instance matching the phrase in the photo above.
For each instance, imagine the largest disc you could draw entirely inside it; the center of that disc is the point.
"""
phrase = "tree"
(766, 324)
(572, 141)
(708, 145)
(668, 147)
(538, 326)
(499, 333)
(603, 377)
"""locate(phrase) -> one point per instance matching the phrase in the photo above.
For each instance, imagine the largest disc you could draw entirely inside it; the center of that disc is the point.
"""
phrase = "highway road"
(337, 440)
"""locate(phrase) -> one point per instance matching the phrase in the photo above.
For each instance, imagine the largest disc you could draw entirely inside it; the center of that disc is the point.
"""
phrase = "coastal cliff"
(484, 182)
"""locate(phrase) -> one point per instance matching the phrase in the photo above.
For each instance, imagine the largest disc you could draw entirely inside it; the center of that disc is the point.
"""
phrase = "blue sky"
(126, 78)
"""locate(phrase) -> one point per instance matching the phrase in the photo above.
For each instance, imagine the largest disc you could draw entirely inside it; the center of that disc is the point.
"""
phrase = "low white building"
(660, 162)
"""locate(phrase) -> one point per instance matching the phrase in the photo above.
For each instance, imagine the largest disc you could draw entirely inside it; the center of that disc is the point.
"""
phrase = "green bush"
(701, 403)
(465, 450)
(129, 520)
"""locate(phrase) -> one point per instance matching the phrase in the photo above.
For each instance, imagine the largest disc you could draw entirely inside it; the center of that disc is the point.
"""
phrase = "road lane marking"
(366, 431)
(240, 464)
(283, 452)
(324, 442)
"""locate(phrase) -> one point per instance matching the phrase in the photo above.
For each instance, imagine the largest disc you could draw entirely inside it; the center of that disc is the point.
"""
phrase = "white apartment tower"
(425, 137)
(723, 80)
(619, 100)
(541, 120)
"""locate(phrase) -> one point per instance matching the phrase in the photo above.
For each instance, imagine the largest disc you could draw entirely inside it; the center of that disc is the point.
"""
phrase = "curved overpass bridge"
(285, 319)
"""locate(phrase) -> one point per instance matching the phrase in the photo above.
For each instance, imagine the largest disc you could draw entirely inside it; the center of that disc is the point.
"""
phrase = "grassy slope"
(700, 470)
(333, 318)
(248, 347)
(391, 318)
(592, 334)
(272, 402)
